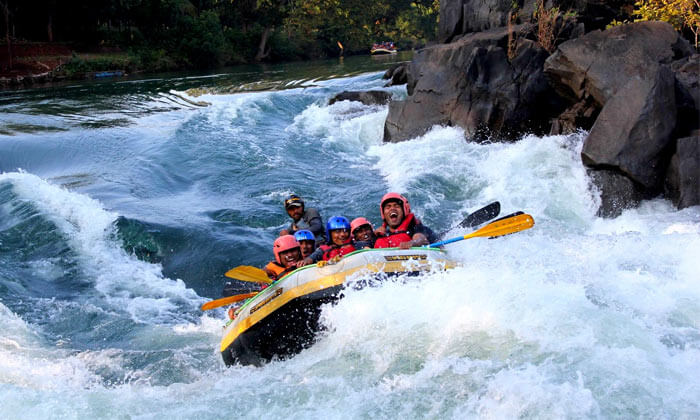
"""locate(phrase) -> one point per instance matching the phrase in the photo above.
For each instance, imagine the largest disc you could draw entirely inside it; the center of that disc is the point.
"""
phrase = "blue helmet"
(304, 235)
(335, 223)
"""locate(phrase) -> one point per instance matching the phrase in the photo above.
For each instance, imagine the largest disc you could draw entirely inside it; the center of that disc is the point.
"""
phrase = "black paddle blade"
(482, 215)
(517, 213)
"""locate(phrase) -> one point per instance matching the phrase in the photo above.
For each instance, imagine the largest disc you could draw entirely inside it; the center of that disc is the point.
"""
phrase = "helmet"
(283, 243)
(360, 221)
(304, 235)
(394, 196)
(293, 200)
(335, 223)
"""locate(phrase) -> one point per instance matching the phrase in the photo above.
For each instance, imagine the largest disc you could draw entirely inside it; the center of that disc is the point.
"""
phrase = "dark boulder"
(397, 75)
(580, 115)
(617, 192)
(633, 130)
(601, 62)
(370, 97)
(683, 177)
(471, 83)
(625, 74)
(450, 22)
(687, 72)
(459, 17)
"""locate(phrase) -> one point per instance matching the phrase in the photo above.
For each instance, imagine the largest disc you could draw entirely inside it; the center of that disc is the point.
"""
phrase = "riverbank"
(35, 64)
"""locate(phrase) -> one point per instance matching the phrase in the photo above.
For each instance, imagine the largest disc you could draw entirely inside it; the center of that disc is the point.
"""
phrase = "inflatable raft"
(283, 319)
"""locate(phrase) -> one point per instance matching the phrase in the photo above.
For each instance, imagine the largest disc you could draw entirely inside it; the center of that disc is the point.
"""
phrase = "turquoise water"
(122, 204)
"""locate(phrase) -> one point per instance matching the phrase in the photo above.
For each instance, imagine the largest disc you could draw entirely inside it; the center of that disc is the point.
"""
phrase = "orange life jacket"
(278, 270)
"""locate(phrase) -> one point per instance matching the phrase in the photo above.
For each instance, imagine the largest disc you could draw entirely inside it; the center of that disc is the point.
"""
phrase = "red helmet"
(283, 243)
(360, 221)
(394, 196)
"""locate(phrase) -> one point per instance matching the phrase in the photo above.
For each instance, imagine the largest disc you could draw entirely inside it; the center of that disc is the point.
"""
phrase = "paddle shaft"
(504, 226)
(227, 300)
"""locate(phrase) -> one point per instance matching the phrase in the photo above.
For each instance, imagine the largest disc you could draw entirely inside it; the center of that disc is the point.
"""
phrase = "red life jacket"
(394, 238)
(330, 251)
(279, 271)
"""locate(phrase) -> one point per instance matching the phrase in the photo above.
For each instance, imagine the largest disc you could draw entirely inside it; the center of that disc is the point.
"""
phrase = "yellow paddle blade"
(504, 227)
(248, 273)
(227, 300)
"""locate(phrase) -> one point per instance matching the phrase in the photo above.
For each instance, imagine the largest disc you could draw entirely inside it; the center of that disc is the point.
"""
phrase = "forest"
(189, 34)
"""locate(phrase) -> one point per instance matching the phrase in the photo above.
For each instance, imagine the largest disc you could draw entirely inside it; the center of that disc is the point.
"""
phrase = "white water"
(577, 317)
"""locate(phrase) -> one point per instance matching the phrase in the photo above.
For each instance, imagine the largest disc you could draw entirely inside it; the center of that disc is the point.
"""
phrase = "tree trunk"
(263, 43)
(49, 28)
(7, 34)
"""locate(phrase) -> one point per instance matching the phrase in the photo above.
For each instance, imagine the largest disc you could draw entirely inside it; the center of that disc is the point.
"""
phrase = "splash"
(122, 280)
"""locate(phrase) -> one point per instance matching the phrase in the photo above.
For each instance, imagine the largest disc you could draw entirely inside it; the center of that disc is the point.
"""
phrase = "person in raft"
(307, 242)
(339, 243)
(303, 218)
(287, 255)
(400, 228)
(362, 233)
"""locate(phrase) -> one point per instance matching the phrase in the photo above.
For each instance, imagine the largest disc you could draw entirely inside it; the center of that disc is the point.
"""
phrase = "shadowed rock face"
(636, 87)
(634, 128)
(459, 17)
(683, 178)
(471, 83)
(617, 192)
(626, 72)
(601, 62)
(371, 97)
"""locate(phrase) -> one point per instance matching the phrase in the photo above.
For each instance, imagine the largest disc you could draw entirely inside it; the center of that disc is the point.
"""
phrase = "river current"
(122, 203)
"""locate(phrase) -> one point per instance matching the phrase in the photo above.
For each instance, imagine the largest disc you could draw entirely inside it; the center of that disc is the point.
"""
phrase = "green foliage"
(83, 64)
(203, 44)
(168, 34)
(153, 60)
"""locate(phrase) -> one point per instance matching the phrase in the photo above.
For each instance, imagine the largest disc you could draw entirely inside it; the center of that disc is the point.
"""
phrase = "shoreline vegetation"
(45, 41)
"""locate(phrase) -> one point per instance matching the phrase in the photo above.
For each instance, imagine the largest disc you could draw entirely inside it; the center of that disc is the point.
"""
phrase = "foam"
(124, 281)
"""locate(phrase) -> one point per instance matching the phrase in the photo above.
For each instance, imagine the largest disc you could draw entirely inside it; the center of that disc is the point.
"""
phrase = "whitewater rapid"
(578, 317)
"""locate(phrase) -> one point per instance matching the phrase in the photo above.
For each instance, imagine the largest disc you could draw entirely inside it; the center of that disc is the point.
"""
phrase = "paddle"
(504, 226)
(482, 215)
(478, 217)
(227, 300)
(248, 273)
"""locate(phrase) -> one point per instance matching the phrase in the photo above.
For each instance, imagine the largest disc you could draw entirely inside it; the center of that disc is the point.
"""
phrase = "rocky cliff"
(505, 68)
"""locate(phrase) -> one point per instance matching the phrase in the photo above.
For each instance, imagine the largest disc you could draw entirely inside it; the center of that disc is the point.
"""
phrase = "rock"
(450, 21)
(580, 115)
(481, 15)
(459, 17)
(687, 71)
(371, 97)
(398, 75)
(617, 192)
(683, 176)
(472, 84)
(625, 73)
(600, 62)
(634, 128)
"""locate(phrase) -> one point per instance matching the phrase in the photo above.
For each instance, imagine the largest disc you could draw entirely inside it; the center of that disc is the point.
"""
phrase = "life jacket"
(394, 238)
(330, 251)
(279, 271)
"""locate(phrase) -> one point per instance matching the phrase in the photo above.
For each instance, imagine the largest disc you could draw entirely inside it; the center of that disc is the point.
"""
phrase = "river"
(123, 202)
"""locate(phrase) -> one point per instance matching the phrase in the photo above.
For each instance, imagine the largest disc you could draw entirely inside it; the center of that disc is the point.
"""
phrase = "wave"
(118, 278)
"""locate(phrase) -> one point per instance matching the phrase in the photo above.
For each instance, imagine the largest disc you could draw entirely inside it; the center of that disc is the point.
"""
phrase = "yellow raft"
(283, 319)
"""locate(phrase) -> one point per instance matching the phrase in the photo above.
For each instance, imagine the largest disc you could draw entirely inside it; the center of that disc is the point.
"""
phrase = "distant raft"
(383, 48)
(283, 319)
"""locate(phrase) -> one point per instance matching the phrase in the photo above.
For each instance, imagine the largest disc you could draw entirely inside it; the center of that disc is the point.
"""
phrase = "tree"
(682, 14)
